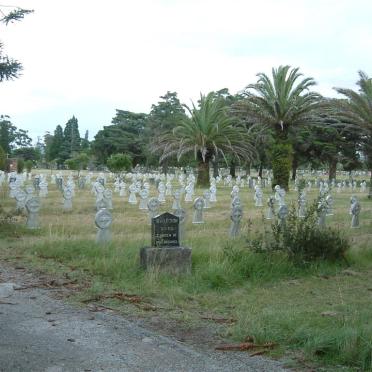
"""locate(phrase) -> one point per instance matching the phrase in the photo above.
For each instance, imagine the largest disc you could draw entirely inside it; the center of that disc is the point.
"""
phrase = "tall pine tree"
(55, 150)
(71, 139)
(85, 145)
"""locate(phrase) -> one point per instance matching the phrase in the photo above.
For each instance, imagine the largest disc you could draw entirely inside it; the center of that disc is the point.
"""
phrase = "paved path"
(41, 333)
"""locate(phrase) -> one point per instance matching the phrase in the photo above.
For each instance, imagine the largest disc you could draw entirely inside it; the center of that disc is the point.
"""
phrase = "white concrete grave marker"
(153, 207)
(198, 211)
(236, 217)
(33, 206)
(144, 198)
(67, 199)
(176, 199)
(103, 221)
(107, 196)
(271, 208)
(355, 211)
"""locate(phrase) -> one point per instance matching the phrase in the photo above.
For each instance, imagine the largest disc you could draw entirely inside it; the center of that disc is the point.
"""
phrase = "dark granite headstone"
(165, 231)
(165, 253)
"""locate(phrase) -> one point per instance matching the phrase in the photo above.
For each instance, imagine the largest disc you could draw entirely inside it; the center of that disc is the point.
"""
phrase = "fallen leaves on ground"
(260, 352)
(50, 284)
(132, 298)
(118, 295)
(245, 346)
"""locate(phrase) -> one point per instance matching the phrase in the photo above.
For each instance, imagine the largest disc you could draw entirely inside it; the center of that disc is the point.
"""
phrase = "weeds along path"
(42, 333)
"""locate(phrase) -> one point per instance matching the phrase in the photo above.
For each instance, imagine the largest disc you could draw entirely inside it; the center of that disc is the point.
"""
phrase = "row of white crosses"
(241, 182)
(19, 193)
(199, 205)
(324, 207)
(104, 218)
(351, 186)
(25, 199)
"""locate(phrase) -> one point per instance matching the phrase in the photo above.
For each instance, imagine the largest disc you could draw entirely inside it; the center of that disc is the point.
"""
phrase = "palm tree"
(207, 131)
(356, 112)
(280, 105)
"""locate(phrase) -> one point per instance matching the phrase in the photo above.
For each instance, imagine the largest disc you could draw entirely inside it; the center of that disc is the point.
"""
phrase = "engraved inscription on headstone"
(165, 231)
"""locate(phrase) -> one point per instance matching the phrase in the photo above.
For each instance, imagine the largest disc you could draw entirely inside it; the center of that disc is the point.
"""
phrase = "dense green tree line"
(220, 129)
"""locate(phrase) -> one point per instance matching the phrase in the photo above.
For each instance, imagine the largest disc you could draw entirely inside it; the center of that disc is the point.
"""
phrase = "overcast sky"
(87, 58)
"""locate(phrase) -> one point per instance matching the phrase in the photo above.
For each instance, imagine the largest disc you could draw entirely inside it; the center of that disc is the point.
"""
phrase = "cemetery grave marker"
(144, 197)
(107, 196)
(153, 207)
(236, 216)
(198, 211)
(271, 208)
(21, 198)
(165, 231)
(103, 221)
(355, 210)
(282, 214)
(181, 214)
(322, 212)
(166, 254)
(67, 199)
(302, 204)
(33, 206)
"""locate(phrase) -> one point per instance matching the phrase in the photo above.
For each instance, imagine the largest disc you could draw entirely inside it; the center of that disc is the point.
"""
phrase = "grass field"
(320, 315)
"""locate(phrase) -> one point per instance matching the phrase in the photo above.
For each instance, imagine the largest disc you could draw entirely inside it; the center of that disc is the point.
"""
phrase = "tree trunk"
(370, 186)
(215, 166)
(294, 167)
(248, 168)
(232, 169)
(164, 167)
(215, 169)
(281, 162)
(260, 169)
(332, 169)
(203, 173)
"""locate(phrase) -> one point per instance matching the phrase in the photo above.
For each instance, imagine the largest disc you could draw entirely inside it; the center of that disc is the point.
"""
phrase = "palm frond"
(209, 130)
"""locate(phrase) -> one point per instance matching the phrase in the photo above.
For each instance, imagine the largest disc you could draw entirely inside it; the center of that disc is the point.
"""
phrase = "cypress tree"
(2, 159)
(71, 138)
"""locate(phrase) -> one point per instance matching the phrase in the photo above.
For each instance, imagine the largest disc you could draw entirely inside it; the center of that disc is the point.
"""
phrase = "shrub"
(119, 162)
(78, 162)
(28, 165)
(302, 239)
(20, 165)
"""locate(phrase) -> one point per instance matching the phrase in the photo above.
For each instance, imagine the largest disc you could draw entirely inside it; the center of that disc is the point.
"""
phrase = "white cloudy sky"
(87, 58)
